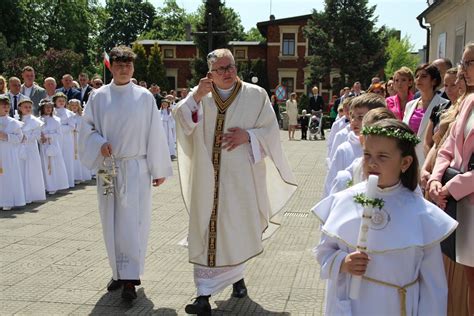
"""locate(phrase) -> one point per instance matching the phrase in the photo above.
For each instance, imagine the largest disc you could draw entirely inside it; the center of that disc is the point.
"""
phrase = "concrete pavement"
(53, 259)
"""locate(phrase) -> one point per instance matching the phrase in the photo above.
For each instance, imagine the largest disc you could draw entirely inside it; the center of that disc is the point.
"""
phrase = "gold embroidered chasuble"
(229, 198)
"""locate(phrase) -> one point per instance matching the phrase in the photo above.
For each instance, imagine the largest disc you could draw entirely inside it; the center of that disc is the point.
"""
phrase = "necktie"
(15, 103)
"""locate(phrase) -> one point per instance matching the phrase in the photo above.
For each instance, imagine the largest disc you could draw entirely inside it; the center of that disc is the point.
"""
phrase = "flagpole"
(105, 81)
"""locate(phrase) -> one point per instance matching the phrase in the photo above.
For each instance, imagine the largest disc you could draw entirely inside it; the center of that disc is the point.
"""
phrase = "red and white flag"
(106, 60)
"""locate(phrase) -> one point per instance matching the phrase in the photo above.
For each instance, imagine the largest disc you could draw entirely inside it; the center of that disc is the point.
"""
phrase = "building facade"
(451, 27)
(284, 52)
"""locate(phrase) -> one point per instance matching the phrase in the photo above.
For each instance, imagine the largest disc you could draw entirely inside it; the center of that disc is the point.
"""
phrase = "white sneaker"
(7, 208)
(51, 192)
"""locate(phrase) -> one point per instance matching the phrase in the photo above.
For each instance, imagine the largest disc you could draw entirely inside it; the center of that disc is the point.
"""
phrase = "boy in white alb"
(351, 148)
(122, 127)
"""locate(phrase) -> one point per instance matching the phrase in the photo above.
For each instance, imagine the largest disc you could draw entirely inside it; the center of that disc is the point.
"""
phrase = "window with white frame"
(459, 40)
(240, 53)
(288, 44)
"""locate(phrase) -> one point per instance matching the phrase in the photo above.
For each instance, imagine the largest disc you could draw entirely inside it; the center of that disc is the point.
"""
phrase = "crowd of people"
(39, 134)
(414, 134)
(422, 120)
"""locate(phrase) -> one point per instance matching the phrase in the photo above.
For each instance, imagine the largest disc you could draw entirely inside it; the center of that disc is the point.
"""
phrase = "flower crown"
(362, 199)
(391, 132)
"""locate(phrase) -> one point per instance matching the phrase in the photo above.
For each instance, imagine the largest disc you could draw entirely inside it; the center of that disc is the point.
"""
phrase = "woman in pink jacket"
(402, 83)
(456, 153)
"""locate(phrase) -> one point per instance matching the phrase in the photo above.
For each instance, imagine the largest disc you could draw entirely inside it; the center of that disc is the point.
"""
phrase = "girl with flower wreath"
(52, 161)
(402, 268)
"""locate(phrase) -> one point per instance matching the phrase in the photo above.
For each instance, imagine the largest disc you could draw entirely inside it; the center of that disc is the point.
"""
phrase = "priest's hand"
(3, 136)
(204, 87)
(106, 150)
(355, 263)
(234, 138)
(158, 182)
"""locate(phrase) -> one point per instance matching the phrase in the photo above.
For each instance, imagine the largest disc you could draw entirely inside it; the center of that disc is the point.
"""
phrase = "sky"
(397, 14)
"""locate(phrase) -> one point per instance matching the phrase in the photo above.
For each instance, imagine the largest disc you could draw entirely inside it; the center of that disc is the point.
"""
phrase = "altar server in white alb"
(30, 160)
(402, 268)
(353, 173)
(52, 161)
(81, 173)
(351, 149)
(12, 193)
(121, 123)
(169, 126)
(234, 176)
(67, 137)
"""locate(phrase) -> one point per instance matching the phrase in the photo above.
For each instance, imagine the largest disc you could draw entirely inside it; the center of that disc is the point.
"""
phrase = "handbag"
(448, 246)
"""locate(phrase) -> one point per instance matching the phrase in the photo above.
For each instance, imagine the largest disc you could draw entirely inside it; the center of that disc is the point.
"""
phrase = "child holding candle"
(66, 141)
(30, 160)
(402, 270)
(81, 173)
(11, 184)
(52, 161)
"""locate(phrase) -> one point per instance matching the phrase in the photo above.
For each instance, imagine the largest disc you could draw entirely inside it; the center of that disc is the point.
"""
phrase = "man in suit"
(85, 87)
(14, 87)
(50, 85)
(68, 88)
(30, 89)
(316, 103)
(156, 91)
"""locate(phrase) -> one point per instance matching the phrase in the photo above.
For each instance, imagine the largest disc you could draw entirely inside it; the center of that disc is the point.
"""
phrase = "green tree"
(399, 54)
(126, 20)
(224, 20)
(141, 62)
(344, 36)
(156, 69)
(32, 26)
(52, 63)
(254, 35)
(11, 14)
(169, 24)
(256, 68)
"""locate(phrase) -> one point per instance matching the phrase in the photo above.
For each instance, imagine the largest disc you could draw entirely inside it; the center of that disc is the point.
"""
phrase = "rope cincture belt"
(222, 106)
(402, 291)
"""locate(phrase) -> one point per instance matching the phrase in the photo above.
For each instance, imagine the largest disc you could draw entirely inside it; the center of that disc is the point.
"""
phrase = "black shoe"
(200, 306)
(240, 290)
(114, 285)
(129, 293)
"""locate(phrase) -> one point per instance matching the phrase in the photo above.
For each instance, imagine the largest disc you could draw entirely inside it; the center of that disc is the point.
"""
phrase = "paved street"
(53, 259)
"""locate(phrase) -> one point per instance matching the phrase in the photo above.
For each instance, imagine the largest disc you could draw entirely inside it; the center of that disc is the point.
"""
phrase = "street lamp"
(250, 76)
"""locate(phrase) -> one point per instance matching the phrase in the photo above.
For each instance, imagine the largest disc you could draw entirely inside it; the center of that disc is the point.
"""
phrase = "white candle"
(364, 233)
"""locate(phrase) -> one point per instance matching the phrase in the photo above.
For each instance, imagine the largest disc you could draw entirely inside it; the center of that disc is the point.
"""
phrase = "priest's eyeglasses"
(222, 70)
(464, 64)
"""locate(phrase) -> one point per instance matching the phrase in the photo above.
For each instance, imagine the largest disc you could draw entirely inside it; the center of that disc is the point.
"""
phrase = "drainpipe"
(428, 37)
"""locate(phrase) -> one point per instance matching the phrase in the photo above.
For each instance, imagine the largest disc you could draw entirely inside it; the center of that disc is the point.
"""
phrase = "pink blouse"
(415, 119)
(393, 104)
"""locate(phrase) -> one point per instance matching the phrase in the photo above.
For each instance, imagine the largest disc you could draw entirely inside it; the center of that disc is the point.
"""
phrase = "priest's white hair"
(213, 56)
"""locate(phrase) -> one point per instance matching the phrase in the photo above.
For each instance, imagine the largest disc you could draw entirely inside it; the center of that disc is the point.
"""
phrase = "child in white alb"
(52, 161)
(81, 173)
(402, 267)
(66, 142)
(30, 160)
(12, 193)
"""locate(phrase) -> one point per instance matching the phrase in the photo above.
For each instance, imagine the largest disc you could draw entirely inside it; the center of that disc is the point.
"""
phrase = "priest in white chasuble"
(122, 137)
(234, 176)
